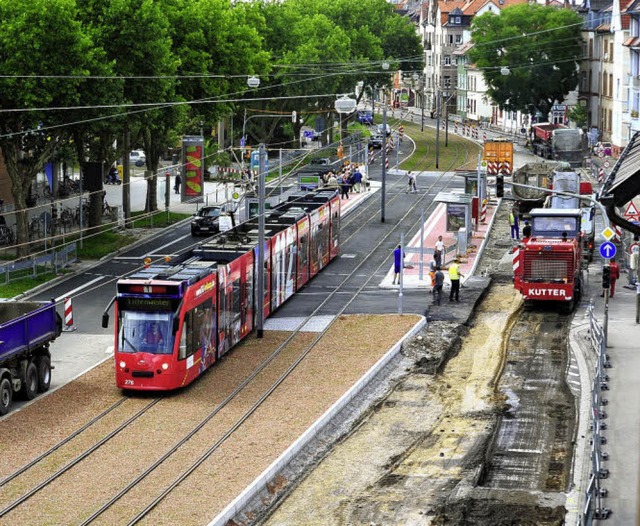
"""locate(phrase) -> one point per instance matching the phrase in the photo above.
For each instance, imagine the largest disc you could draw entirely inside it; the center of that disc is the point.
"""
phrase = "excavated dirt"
(430, 449)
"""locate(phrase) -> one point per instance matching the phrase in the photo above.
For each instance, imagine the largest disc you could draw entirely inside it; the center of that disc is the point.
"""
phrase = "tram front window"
(145, 332)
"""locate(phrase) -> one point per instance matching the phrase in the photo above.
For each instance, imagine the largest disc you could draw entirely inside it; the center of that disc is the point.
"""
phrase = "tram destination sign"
(145, 304)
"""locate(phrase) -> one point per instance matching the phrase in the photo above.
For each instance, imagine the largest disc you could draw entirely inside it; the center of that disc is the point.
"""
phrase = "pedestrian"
(398, 256)
(437, 288)
(177, 183)
(344, 186)
(615, 274)
(513, 223)
(432, 273)
(526, 230)
(332, 180)
(438, 251)
(411, 183)
(454, 276)
(357, 181)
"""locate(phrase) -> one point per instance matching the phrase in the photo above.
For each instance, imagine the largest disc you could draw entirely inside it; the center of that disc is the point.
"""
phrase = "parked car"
(206, 221)
(380, 129)
(365, 117)
(376, 141)
(138, 158)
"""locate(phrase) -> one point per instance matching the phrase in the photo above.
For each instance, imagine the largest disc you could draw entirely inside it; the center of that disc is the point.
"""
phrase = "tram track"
(197, 427)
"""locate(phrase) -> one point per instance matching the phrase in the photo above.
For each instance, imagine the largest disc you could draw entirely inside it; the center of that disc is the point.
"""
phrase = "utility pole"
(260, 266)
(384, 153)
(437, 126)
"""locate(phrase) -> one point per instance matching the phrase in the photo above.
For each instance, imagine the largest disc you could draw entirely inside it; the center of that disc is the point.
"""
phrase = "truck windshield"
(145, 332)
(554, 226)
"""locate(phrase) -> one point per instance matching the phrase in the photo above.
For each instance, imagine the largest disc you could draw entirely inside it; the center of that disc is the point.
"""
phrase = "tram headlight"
(165, 366)
(122, 364)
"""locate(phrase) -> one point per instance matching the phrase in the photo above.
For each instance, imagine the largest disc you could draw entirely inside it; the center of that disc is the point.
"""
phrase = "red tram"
(174, 320)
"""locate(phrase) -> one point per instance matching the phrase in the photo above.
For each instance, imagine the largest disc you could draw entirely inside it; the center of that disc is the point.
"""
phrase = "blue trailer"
(26, 330)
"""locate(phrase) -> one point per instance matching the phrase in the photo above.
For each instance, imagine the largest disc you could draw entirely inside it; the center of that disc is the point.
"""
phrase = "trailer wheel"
(6, 396)
(44, 373)
(29, 388)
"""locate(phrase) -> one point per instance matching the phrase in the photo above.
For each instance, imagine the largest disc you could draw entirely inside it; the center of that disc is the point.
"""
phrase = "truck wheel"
(29, 388)
(44, 373)
(6, 396)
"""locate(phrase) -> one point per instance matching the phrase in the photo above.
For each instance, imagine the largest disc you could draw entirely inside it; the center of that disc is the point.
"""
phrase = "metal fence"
(53, 262)
(595, 492)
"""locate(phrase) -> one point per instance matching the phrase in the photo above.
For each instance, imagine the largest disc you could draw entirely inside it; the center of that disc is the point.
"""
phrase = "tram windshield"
(148, 332)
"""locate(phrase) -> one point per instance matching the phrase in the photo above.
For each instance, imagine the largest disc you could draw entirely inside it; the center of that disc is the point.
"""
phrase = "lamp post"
(253, 82)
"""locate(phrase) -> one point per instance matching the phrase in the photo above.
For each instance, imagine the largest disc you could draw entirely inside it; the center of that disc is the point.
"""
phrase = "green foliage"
(541, 46)
(578, 115)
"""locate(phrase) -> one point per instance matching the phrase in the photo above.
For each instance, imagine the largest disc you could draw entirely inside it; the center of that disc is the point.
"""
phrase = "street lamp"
(253, 82)
(504, 70)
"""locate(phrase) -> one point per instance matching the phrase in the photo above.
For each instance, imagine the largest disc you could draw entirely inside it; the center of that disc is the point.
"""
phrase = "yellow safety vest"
(453, 271)
(512, 219)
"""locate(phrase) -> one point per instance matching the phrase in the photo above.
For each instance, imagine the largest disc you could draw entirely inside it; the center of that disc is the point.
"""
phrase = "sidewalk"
(623, 408)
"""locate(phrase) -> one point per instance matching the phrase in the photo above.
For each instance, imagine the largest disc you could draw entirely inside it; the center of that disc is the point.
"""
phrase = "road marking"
(168, 244)
(72, 292)
(109, 350)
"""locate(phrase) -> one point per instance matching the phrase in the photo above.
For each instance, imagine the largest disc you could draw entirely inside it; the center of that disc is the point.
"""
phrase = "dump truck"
(559, 143)
(26, 330)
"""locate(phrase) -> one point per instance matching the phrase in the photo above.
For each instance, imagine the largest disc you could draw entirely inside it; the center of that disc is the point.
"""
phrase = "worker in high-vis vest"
(454, 277)
(513, 223)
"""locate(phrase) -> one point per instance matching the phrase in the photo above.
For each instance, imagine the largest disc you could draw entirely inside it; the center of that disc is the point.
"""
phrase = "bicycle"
(7, 236)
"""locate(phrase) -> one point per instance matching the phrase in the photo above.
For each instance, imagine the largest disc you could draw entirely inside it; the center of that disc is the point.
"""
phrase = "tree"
(540, 45)
(44, 55)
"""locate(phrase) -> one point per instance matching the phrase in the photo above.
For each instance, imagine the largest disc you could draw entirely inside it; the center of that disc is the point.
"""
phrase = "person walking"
(454, 276)
(411, 183)
(177, 183)
(615, 274)
(526, 231)
(357, 181)
(513, 223)
(344, 186)
(437, 288)
(398, 256)
(438, 250)
(432, 274)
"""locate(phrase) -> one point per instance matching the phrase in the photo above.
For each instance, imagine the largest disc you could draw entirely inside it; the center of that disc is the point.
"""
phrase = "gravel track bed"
(342, 356)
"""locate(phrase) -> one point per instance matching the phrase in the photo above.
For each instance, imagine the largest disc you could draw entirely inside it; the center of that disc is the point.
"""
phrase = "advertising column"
(193, 161)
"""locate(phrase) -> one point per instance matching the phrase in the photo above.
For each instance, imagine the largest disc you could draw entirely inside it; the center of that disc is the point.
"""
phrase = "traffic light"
(500, 186)
(606, 277)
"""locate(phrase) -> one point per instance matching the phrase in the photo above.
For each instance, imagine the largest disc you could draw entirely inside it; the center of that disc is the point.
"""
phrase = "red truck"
(547, 266)
(558, 142)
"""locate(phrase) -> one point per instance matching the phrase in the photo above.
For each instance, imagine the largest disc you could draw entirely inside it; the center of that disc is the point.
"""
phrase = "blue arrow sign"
(607, 250)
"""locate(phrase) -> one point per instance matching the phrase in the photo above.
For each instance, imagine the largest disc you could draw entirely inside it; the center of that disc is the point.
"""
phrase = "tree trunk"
(22, 174)
(152, 191)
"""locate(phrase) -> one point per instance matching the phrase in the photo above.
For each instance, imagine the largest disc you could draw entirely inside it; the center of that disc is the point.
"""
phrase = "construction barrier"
(68, 316)
(601, 175)
(483, 211)
(401, 133)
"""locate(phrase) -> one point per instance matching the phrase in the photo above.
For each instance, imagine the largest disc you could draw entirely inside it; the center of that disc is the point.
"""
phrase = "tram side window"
(194, 321)
(303, 253)
(235, 300)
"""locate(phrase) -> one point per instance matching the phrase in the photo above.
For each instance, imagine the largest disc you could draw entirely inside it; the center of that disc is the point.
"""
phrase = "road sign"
(606, 164)
(243, 142)
(608, 233)
(607, 250)
(632, 211)
(634, 248)
(483, 166)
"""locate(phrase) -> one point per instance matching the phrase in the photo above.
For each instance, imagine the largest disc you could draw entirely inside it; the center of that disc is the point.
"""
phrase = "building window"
(458, 39)
(458, 20)
(450, 39)
(447, 60)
